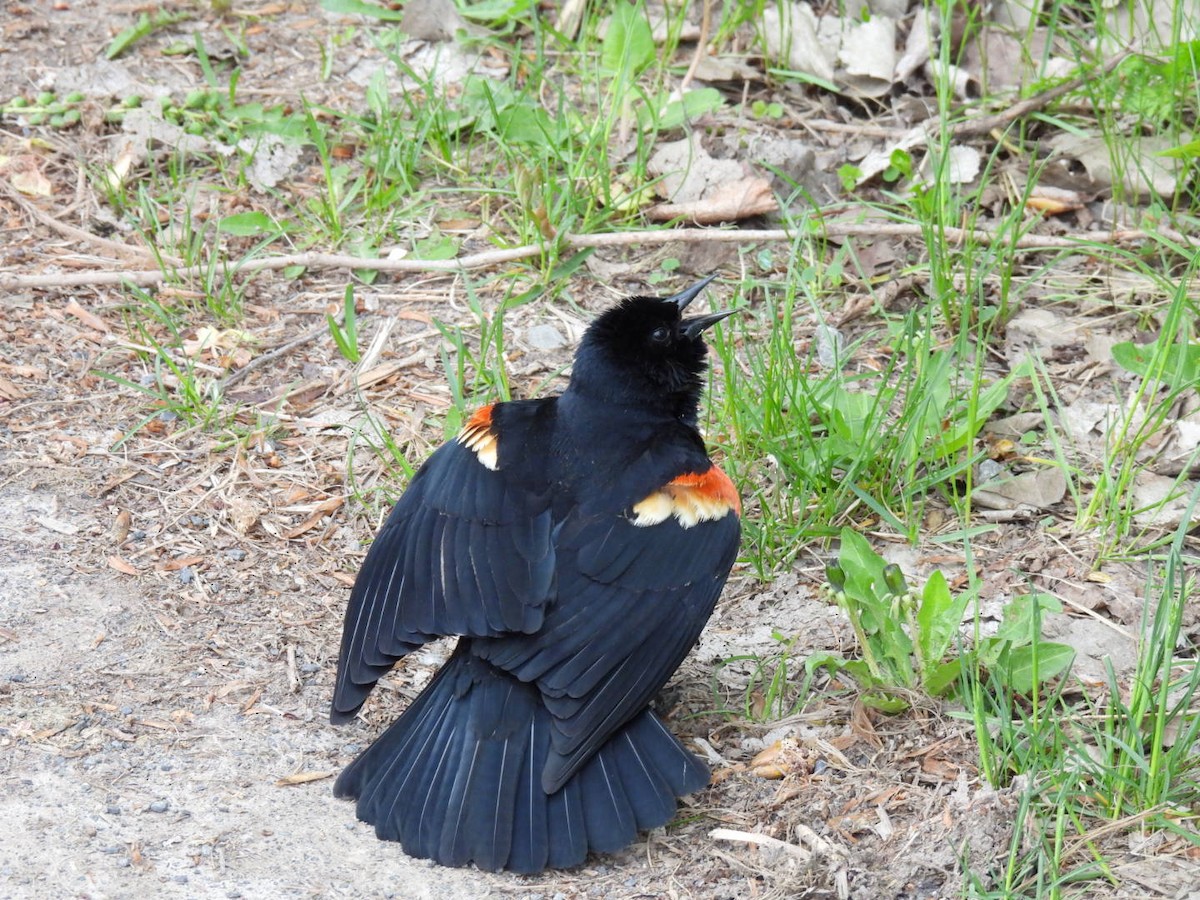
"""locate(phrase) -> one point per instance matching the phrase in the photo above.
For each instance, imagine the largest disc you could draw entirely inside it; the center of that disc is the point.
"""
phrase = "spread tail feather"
(458, 778)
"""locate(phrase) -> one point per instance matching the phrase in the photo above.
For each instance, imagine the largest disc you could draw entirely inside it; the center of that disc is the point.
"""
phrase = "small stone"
(112, 809)
(179, 879)
(310, 668)
(159, 806)
(186, 575)
(237, 554)
(127, 710)
(124, 862)
(545, 337)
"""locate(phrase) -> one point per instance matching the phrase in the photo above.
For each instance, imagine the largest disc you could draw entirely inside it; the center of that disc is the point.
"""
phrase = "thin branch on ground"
(489, 258)
(980, 125)
(81, 234)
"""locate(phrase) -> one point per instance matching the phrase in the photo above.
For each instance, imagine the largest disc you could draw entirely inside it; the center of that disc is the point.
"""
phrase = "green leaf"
(359, 8)
(1190, 150)
(849, 174)
(1022, 619)
(436, 246)
(1018, 664)
(628, 45)
(248, 224)
(496, 12)
(144, 27)
(693, 105)
(942, 677)
(885, 703)
(938, 618)
(1180, 363)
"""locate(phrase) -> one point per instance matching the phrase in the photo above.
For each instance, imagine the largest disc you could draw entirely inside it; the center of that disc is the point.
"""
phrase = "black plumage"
(577, 545)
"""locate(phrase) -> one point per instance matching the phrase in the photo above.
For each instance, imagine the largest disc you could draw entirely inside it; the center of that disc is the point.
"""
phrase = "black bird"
(577, 545)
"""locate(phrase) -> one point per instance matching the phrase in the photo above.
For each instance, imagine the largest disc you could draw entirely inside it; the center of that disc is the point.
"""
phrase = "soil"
(170, 605)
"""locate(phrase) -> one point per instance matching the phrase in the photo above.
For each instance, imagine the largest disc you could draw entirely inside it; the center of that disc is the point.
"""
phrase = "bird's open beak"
(687, 295)
(692, 327)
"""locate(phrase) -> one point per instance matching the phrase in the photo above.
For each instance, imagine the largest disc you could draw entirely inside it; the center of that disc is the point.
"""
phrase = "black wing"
(632, 601)
(465, 551)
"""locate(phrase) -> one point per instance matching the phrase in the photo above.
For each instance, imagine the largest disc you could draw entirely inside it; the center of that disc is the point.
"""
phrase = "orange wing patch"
(691, 498)
(477, 435)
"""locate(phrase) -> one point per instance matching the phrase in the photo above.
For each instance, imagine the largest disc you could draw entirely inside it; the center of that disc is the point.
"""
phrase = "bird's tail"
(457, 778)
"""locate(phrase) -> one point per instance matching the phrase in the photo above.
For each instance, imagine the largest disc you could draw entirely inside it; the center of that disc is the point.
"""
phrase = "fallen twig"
(488, 258)
(980, 125)
(81, 234)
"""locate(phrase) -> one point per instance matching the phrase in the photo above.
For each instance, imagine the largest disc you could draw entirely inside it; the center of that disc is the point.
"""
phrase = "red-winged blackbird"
(577, 544)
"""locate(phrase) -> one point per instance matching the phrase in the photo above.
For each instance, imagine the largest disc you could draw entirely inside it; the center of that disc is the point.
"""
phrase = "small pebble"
(545, 337)
(159, 806)
(309, 668)
(124, 862)
(18, 679)
(186, 575)
(179, 879)
(127, 710)
(112, 809)
(111, 849)
(237, 554)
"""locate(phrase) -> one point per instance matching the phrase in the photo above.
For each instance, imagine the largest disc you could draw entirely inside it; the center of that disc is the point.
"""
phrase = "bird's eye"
(661, 334)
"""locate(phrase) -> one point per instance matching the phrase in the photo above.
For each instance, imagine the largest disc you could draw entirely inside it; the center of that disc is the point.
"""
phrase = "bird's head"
(644, 353)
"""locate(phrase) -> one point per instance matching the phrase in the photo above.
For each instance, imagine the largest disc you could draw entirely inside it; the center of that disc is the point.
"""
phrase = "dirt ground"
(170, 610)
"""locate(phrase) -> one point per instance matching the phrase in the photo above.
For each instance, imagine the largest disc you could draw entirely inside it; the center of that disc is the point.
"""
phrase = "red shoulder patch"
(713, 485)
(477, 435)
(691, 498)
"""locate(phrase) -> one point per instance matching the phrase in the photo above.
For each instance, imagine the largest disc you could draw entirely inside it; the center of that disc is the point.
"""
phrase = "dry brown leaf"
(182, 562)
(1053, 201)
(862, 726)
(24, 371)
(321, 511)
(729, 202)
(91, 320)
(25, 174)
(10, 392)
(302, 778)
(121, 525)
(122, 565)
(254, 698)
(243, 514)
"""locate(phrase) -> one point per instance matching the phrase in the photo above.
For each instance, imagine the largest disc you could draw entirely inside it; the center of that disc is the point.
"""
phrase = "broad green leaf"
(496, 12)
(1180, 364)
(1016, 666)
(360, 8)
(436, 246)
(942, 677)
(628, 45)
(248, 224)
(938, 618)
(885, 703)
(693, 105)
(1020, 625)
